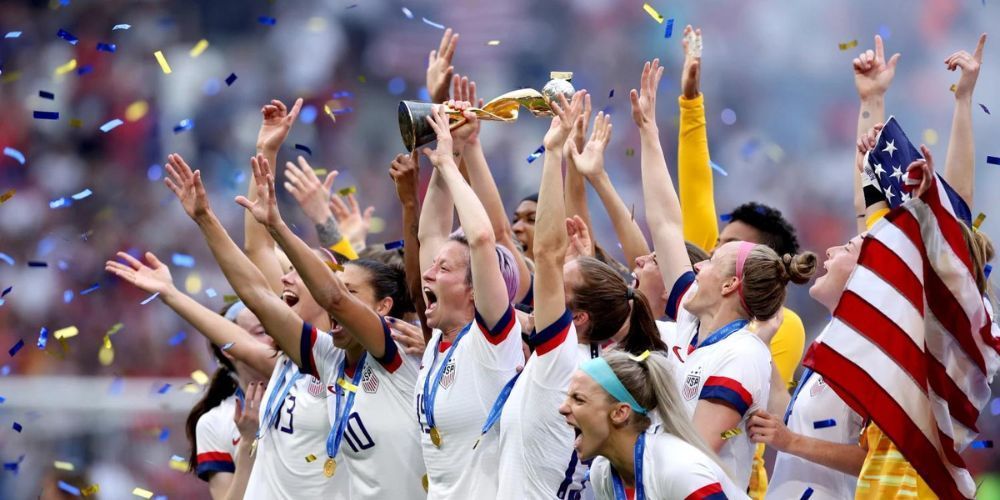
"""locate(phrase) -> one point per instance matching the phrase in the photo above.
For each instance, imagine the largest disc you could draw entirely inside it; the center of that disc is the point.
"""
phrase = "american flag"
(892, 154)
(911, 344)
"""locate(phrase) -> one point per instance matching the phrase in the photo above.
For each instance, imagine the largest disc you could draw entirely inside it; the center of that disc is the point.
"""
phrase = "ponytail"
(643, 335)
(223, 385)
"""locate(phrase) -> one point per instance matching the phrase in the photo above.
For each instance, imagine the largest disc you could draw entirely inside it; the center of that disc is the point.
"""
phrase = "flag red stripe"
(949, 226)
(844, 376)
(959, 406)
(882, 261)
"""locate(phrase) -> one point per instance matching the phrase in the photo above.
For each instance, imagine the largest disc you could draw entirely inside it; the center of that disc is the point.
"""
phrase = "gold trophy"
(413, 115)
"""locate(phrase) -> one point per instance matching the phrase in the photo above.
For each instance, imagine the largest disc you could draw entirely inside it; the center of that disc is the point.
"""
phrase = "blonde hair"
(765, 276)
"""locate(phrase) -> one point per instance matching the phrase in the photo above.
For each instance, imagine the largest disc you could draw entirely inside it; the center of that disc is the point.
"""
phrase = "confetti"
(13, 34)
(979, 220)
(46, 115)
(68, 488)
(731, 433)
(182, 260)
(611, 94)
(17, 347)
(406, 12)
(107, 47)
(198, 48)
(987, 110)
(537, 154)
(6, 291)
(432, 23)
(342, 94)
(50, 96)
(823, 424)
(193, 283)
(199, 377)
(84, 70)
(136, 110)
(629, 152)
(184, 125)
(111, 125)
(930, 136)
(669, 30)
(89, 289)
(106, 355)
(993, 160)
(347, 190)
(267, 21)
(726, 217)
(983, 444)
(143, 493)
(65, 333)
(718, 169)
(67, 466)
(8, 194)
(310, 458)
(68, 296)
(15, 154)
(302, 147)
(211, 293)
(43, 338)
(987, 269)
(163, 390)
(493, 43)
(7, 258)
(230, 79)
(806, 494)
(164, 65)
(75, 123)
(848, 45)
(728, 116)
(59, 203)
(65, 35)
(177, 338)
(178, 463)
(652, 13)
(953, 87)
(17, 427)
(121, 27)
(90, 490)
(392, 245)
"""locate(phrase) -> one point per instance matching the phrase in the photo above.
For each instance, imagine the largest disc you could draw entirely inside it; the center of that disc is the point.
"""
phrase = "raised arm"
(487, 281)
(326, 288)
(663, 209)
(483, 184)
(154, 277)
(694, 168)
(769, 429)
(872, 77)
(960, 161)
(576, 185)
(590, 164)
(404, 172)
(259, 247)
(439, 68)
(278, 319)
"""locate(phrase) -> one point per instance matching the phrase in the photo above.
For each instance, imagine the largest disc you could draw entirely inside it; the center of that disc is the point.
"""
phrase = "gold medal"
(330, 467)
(435, 437)
(426, 482)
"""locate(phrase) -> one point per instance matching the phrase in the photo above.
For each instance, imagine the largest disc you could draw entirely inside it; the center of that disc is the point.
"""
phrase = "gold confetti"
(193, 283)
(7, 195)
(979, 220)
(65, 333)
(114, 329)
(652, 13)
(930, 137)
(333, 265)
(362, 79)
(329, 112)
(199, 377)
(629, 152)
(66, 68)
(136, 110)
(90, 490)
(731, 433)
(347, 190)
(310, 458)
(377, 225)
(198, 48)
(848, 45)
(953, 87)
(163, 65)
(11, 77)
(230, 298)
(180, 465)
(106, 355)
(75, 122)
(493, 43)
(63, 465)
(560, 75)
(320, 171)
(140, 492)
(191, 388)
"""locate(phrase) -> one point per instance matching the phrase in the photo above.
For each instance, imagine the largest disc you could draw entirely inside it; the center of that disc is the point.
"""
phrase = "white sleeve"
(214, 446)
(741, 379)
(689, 480)
(319, 356)
(556, 356)
(497, 346)
(600, 479)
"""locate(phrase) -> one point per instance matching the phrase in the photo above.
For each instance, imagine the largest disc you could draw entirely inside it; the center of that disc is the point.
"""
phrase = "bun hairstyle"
(765, 276)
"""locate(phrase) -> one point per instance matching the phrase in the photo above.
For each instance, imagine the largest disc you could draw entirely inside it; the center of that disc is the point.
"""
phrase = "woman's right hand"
(312, 194)
(187, 186)
(265, 208)
(154, 278)
(691, 74)
(247, 413)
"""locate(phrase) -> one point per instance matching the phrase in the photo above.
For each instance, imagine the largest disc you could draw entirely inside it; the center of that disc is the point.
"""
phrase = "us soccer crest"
(448, 377)
(691, 383)
(369, 382)
(818, 388)
(315, 387)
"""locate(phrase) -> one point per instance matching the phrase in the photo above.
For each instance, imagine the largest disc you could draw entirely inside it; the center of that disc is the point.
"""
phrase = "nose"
(564, 409)
(698, 266)
(428, 274)
(286, 279)
(518, 226)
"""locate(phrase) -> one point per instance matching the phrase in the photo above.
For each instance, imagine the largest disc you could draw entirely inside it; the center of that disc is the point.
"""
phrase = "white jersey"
(217, 437)
(817, 412)
(671, 470)
(280, 468)
(482, 363)
(537, 459)
(380, 446)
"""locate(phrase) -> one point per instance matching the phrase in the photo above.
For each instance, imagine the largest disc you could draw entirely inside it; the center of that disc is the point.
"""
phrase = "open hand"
(580, 244)
(970, 65)
(590, 163)
(154, 278)
(691, 74)
(872, 73)
(644, 100)
(247, 412)
(443, 154)
(920, 174)
(766, 428)
(313, 196)
(187, 186)
(411, 337)
(565, 116)
(404, 171)
(578, 136)
(354, 224)
(276, 123)
(265, 209)
(439, 68)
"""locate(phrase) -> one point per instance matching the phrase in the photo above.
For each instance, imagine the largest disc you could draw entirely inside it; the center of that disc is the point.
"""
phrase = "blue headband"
(601, 372)
(234, 310)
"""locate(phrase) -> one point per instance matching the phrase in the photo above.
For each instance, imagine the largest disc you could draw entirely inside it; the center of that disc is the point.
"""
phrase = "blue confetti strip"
(538, 152)
(93, 287)
(823, 424)
(6, 291)
(182, 260)
(303, 147)
(69, 488)
(7, 258)
(230, 79)
(611, 94)
(177, 338)
(65, 35)
(107, 47)
(726, 217)
(392, 245)
(987, 269)
(987, 110)
(211, 293)
(980, 445)
(15, 154)
(806, 494)
(17, 347)
(342, 94)
(3, 399)
(407, 13)
(111, 125)
(185, 124)
(432, 23)
(267, 21)
(669, 30)
(46, 115)
(718, 169)
(228, 346)
(13, 34)
(149, 299)
(43, 338)
(121, 27)
(82, 194)
(85, 69)
(993, 160)
(68, 296)
(61, 202)
(163, 390)
(17, 427)
(46, 95)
